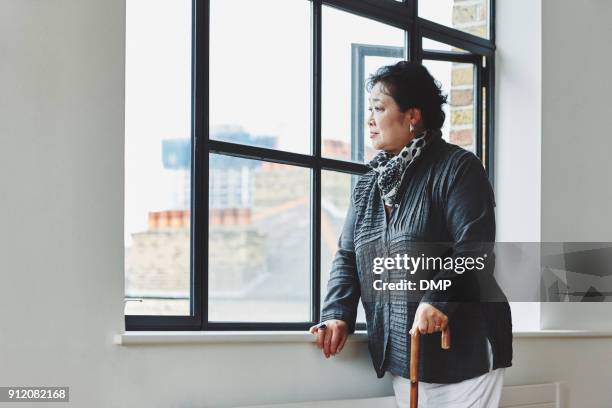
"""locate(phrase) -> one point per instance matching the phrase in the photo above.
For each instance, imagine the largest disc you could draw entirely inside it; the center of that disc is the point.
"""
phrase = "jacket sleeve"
(343, 290)
(468, 204)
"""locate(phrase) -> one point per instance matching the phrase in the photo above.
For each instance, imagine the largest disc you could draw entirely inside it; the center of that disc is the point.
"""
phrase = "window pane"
(259, 235)
(458, 83)
(335, 195)
(157, 157)
(260, 73)
(359, 43)
(469, 16)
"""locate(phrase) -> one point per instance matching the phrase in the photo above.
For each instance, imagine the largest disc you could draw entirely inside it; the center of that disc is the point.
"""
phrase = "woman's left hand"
(428, 319)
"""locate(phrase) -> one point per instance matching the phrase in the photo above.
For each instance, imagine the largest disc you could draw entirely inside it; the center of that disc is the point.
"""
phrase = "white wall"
(61, 127)
(543, 181)
(578, 363)
(518, 121)
(518, 134)
(576, 120)
(553, 103)
(61, 297)
(576, 124)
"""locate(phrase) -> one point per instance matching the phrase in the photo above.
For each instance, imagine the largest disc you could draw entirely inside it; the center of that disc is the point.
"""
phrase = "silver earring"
(411, 129)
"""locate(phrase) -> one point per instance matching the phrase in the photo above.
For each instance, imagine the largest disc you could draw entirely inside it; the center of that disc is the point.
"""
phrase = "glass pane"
(470, 16)
(458, 83)
(157, 157)
(349, 56)
(259, 235)
(429, 44)
(260, 73)
(335, 195)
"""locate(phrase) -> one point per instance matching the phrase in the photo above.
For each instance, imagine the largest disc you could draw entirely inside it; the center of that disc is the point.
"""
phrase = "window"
(157, 157)
(245, 133)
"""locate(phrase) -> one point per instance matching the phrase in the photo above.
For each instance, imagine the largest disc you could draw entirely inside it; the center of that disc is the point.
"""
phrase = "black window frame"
(403, 15)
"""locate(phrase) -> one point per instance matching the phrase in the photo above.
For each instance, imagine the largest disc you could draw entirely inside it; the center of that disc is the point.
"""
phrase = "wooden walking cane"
(415, 340)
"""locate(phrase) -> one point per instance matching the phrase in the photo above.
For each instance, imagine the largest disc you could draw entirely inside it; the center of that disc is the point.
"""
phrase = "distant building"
(231, 178)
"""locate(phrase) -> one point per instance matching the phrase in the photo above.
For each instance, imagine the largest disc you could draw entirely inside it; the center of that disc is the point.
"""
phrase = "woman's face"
(389, 127)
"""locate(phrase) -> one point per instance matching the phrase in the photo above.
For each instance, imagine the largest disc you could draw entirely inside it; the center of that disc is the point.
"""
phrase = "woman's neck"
(415, 134)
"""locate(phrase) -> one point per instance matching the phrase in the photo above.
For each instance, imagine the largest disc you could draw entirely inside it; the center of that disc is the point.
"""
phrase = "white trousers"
(479, 392)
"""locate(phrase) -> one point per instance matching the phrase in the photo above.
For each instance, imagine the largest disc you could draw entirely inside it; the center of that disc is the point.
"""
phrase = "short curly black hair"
(412, 86)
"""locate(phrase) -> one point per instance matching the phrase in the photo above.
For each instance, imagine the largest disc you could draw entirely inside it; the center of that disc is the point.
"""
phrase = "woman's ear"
(415, 116)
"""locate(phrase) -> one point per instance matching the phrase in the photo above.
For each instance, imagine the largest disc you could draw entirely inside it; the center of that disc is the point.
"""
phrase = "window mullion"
(490, 106)
(478, 108)
(200, 165)
(415, 47)
(315, 246)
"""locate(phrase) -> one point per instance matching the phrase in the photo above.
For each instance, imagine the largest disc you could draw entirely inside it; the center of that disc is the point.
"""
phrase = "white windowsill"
(199, 337)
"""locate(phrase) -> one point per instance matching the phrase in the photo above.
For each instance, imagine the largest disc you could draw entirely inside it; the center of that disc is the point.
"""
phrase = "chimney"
(169, 219)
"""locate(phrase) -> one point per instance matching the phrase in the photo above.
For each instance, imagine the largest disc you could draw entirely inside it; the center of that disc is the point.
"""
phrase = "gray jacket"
(445, 209)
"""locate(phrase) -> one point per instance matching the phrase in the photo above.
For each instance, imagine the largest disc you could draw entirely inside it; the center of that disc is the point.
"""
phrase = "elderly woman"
(422, 198)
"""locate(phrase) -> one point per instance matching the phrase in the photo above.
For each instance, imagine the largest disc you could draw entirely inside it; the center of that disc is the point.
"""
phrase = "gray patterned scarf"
(390, 168)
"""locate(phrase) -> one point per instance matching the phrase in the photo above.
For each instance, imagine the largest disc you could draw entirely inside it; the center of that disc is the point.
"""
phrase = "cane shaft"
(415, 346)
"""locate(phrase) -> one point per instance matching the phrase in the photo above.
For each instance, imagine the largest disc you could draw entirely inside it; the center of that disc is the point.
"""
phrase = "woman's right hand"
(331, 339)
